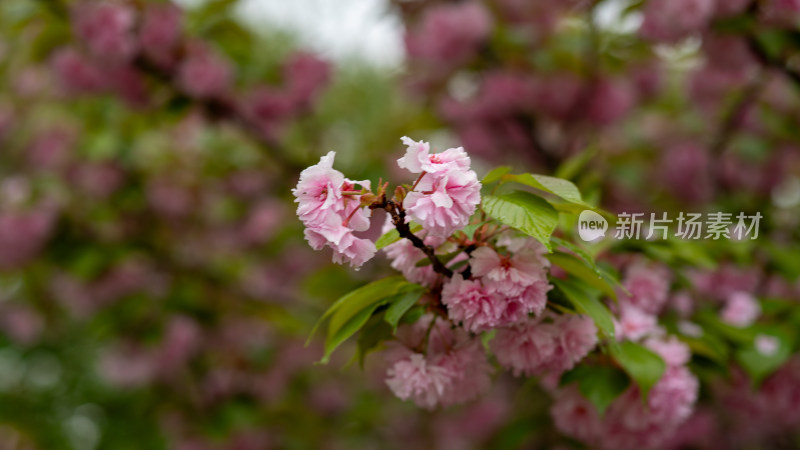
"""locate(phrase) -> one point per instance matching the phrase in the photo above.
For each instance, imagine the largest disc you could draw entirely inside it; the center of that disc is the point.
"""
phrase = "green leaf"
(588, 304)
(600, 385)
(352, 310)
(559, 187)
(495, 174)
(400, 303)
(594, 277)
(525, 212)
(760, 365)
(371, 336)
(641, 364)
(392, 236)
(336, 336)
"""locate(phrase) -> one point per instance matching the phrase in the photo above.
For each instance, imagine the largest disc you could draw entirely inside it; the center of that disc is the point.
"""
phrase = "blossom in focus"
(418, 158)
(509, 275)
(473, 305)
(443, 202)
(330, 216)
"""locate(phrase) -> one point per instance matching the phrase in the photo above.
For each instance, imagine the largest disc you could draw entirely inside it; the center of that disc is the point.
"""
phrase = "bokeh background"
(155, 288)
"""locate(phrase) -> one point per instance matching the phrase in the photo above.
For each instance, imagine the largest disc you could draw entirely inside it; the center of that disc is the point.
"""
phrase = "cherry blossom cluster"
(631, 422)
(493, 279)
(126, 50)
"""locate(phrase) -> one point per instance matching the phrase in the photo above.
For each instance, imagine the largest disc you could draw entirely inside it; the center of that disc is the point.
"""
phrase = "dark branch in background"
(398, 215)
(736, 115)
(222, 109)
(761, 53)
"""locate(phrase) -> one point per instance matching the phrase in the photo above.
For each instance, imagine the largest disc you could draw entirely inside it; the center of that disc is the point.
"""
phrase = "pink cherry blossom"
(204, 73)
(472, 304)
(634, 324)
(331, 217)
(471, 372)
(526, 348)
(574, 415)
(319, 190)
(418, 158)
(508, 275)
(418, 380)
(672, 20)
(107, 28)
(449, 33)
(454, 369)
(532, 300)
(77, 73)
(160, 33)
(648, 286)
(576, 336)
(673, 351)
(741, 309)
(630, 423)
(766, 345)
(444, 202)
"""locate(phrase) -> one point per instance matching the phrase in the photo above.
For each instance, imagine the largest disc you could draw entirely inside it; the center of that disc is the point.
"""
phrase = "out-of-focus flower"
(204, 73)
(741, 309)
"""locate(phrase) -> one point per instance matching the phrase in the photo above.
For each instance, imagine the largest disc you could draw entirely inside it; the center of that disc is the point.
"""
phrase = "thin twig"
(398, 215)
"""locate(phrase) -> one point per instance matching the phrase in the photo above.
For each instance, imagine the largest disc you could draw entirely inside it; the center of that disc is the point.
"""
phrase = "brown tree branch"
(398, 215)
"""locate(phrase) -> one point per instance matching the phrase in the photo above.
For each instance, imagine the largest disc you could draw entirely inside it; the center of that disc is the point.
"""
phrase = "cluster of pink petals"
(449, 34)
(504, 290)
(453, 370)
(509, 275)
(330, 217)
(477, 307)
(107, 28)
(672, 20)
(447, 193)
(538, 347)
(648, 285)
(634, 324)
(629, 423)
(741, 309)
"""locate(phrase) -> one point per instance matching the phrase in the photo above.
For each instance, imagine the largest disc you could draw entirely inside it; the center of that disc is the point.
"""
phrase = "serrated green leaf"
(392, 236)
(600, 385)
(400, 303)
(585, 303)
(495, 174)
(525, 212)
(643, 365)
